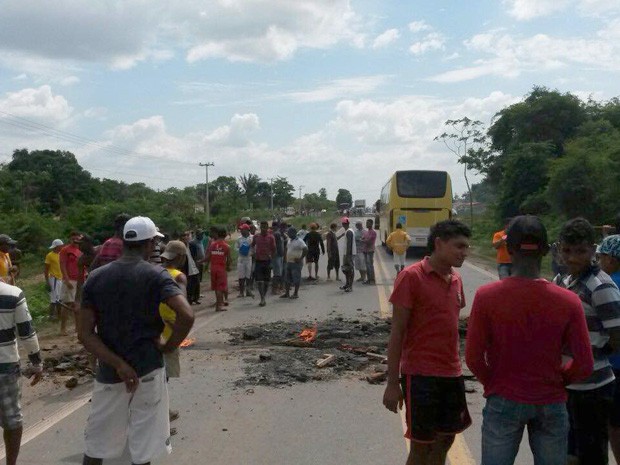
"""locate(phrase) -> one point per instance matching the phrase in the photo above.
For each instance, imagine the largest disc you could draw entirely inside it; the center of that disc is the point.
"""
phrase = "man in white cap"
(53, 277)
(120, 324)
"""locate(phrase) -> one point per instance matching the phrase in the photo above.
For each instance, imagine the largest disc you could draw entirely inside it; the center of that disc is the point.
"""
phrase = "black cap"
(527, 234)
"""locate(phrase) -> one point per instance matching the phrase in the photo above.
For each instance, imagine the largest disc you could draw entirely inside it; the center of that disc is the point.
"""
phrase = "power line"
(29, 125)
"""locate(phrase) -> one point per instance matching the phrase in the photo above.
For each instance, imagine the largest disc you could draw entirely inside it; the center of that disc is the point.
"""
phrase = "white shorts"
(140, 419)
(359, 262)
(399, 260)
(55, 289)
(67, 295)
(244, 267)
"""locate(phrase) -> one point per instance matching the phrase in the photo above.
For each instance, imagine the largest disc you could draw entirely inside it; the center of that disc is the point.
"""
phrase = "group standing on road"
(545, 352)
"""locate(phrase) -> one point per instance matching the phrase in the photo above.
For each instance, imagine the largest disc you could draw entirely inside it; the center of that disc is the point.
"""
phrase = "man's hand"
(67, 283)
(129, 376)
(35, 372)
(393, 398)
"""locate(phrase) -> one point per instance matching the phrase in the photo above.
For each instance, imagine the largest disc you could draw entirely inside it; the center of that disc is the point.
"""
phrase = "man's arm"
(497, 243)
(606, 303)
(93, 343)
(577, 339)
(228, 259)
(27, 337)
(181, 280)
(63, 269)
(393, 396)
(476, 346)
(183, 323)
(322, 244)
(46, 273)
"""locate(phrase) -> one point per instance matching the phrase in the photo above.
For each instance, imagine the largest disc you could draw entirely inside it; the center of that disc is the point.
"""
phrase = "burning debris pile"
(290, 352)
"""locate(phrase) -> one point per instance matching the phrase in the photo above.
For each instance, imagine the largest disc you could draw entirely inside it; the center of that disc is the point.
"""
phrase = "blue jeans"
(502, 430)
(369, 258)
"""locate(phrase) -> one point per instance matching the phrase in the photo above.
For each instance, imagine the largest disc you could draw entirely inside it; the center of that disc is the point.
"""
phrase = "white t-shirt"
(295, 249)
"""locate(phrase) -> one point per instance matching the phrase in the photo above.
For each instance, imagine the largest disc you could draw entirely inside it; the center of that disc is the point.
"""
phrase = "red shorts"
(219, 279)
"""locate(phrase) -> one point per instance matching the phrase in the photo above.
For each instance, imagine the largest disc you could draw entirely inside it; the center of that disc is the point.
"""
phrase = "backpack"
(244, 249)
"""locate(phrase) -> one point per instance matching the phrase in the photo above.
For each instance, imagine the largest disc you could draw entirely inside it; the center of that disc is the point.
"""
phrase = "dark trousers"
(193, 288)
(588, 412)
(369, 257)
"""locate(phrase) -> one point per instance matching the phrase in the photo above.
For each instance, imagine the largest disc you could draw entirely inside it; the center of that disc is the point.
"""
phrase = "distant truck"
(359, 208)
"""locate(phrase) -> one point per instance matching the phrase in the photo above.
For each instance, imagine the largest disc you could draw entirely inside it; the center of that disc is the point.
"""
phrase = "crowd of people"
(545, 352)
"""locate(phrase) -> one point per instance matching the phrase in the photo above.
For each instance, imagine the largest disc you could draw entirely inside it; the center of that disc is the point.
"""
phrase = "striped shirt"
(14, 315)
(600, 299)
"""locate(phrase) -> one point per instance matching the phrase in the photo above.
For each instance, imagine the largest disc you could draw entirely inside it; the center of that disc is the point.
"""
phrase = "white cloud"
(235, 134)
(431, 42)
(510, 56)
(40, 105)
(69, 80)
(386, 38)
(525, 10)
(339, 88)
(130, 32)
(529, 9)
(419, 26)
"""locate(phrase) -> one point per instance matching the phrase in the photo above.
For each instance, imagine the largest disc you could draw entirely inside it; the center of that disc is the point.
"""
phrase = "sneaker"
(294, 296)
(342, 288)
(348, 289)
(262, 304)
(285, 296)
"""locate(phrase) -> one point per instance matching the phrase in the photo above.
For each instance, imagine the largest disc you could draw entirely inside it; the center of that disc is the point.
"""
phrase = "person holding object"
(504, 263)
(121, 325)
(398, 241)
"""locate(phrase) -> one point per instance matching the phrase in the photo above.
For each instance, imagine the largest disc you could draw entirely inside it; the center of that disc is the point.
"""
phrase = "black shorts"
(589, 414)
(262, 270)
(614, 414)
(312, 257)
(435, 406)
(333, 262)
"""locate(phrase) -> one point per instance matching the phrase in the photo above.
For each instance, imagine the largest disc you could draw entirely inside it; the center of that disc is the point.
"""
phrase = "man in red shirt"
(68, 258)
(518, 331)
(111, 249)
(218, 257)
(264, 247)
(424, 346)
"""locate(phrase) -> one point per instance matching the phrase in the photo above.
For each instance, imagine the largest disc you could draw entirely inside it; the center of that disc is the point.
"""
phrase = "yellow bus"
(417, 199)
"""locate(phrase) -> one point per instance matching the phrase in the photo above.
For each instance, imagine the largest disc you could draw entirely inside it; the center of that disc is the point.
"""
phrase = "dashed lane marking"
(459, 453)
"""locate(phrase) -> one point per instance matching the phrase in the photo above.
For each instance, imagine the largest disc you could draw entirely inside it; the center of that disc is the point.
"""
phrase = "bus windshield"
(421, 184)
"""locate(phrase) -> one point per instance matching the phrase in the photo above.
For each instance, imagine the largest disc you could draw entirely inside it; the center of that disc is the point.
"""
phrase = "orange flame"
(308, 334)
(187, 342)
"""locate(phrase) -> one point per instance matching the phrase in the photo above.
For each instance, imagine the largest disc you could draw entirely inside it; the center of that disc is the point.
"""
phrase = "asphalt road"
(335, 422)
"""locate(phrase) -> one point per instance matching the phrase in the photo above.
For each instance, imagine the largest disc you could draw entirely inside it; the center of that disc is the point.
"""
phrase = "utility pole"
(206, 165)
(300, 188)
(271, 198)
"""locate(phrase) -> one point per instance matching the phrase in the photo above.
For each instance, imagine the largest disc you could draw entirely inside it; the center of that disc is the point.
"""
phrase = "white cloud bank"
(386, 38)
(525, 10)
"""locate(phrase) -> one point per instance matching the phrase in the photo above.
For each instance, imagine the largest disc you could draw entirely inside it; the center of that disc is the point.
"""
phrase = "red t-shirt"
(218, 251)
(69, 256)
(517, 332)
(264, 247)
(431, 344)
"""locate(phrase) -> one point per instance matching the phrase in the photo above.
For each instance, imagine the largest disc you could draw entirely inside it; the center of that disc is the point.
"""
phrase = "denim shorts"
(10, 395)
(293, 273)
(276, 265)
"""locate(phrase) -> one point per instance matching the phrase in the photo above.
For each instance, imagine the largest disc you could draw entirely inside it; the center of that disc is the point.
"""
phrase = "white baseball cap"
(140, 228)
(56, 243)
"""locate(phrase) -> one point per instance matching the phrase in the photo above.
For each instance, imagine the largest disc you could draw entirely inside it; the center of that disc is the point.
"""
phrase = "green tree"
(344, 196)
(249, 184)
(465, 139)
(323, 193)
(525, 179)
(283, 192)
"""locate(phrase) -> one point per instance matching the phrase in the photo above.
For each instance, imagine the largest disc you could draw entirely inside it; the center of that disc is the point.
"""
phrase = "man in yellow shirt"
(399, 242)
(7, 269)
(53, 277)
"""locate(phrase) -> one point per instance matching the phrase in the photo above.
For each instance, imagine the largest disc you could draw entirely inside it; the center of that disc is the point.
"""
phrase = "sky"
(327, 93)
